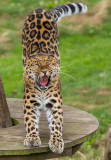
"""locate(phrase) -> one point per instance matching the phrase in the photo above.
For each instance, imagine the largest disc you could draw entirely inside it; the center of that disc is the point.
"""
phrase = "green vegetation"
(14, 122)
(85, 65)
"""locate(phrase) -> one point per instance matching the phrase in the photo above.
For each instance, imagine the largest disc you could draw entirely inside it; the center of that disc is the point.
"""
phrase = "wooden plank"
(77, 115)
(5, 119)
(39, 156)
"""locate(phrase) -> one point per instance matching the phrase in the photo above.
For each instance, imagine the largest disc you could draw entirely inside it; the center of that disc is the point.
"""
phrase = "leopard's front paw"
(32, 141)
(56, 144)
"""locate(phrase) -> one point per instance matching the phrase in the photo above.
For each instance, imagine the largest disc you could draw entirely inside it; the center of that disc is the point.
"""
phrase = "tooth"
(45, 87)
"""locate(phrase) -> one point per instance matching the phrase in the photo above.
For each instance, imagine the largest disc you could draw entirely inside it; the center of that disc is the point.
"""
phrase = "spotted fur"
(41, 61)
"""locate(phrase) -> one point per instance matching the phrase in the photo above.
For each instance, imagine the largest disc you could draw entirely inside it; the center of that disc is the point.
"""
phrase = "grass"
(85, 57)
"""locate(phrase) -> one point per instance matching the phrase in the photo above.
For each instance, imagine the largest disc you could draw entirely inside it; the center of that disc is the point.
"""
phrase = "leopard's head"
(42, 71)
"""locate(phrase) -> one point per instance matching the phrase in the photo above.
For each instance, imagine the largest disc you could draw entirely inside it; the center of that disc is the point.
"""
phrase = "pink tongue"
(43, 81)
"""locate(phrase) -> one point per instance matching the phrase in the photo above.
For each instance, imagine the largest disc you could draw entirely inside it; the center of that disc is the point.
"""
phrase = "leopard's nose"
(44, 72)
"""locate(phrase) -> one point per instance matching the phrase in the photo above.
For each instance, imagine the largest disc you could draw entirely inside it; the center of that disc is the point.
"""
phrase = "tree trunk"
(5, 119)
(107, 155)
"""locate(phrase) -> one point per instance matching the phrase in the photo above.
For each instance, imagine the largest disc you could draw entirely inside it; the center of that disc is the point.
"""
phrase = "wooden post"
(107, 155)
(5, 119)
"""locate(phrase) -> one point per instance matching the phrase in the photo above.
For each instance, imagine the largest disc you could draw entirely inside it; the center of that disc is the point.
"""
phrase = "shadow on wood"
(5, 119)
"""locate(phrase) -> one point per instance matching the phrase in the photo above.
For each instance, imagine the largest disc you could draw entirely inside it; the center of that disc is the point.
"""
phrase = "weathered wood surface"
(5, 119)
(107, 155)
(78, 127)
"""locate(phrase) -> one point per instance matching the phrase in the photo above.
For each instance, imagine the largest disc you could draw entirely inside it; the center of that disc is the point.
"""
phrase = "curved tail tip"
(84, 8)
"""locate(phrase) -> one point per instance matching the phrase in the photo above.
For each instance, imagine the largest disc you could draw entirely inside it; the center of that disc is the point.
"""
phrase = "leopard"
(41, 64)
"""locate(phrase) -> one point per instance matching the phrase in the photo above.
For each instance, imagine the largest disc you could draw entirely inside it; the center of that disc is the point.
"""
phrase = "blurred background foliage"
(85, 42)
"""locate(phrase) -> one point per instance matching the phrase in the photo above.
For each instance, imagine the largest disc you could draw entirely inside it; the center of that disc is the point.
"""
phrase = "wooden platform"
(78, 127)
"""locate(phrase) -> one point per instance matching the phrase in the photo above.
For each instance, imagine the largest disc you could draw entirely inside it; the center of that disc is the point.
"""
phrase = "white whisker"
(67, 75)
(63, 62)
(67, 71)
(19, 74)
(67, 65)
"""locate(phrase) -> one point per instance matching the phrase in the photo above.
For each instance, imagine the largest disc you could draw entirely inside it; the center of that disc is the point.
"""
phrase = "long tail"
(68, 10)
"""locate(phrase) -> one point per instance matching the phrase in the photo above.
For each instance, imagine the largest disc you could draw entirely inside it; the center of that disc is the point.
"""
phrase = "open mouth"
(43, 82)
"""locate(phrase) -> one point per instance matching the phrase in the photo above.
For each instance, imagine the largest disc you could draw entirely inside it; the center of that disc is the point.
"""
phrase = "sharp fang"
(45, 87)
(41, 86)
